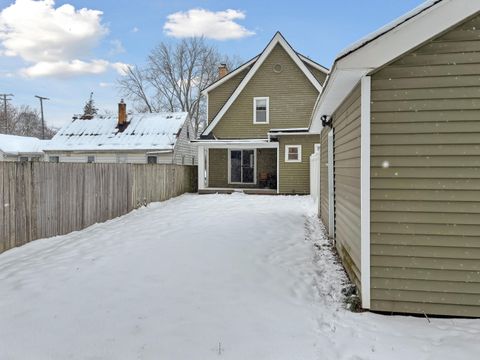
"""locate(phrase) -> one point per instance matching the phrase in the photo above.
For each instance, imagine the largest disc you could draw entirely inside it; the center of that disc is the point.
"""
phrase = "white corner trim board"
(365, 190)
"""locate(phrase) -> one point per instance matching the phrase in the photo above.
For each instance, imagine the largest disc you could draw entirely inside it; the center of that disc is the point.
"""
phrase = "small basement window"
(151, 159)
(54, 159)
(293, 153)
(90, 159)
(261, 110)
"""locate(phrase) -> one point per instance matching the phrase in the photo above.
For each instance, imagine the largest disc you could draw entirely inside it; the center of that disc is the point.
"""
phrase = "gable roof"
(256, 62)
(144, 132)
(387, 44)
(230, 75)
(16, 145)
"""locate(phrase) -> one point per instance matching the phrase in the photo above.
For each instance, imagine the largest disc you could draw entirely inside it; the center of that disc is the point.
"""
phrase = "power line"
(41, 98)
(6, 97)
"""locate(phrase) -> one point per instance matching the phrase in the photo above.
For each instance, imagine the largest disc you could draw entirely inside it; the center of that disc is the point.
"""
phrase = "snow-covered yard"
(202, 277)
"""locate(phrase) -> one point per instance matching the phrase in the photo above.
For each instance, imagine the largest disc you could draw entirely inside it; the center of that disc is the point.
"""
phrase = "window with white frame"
(260, 110)
(293, 153)
(90, 159)
(54, 159)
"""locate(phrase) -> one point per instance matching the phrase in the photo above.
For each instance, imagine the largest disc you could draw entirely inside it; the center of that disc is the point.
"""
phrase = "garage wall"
(425, 176)
(346, 130)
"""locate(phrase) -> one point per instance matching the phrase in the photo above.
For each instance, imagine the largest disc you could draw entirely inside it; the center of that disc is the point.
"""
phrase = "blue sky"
(126, 31)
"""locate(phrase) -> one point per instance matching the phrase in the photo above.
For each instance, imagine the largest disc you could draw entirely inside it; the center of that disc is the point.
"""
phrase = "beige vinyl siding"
(346, 130)
(425, 206)
(219, 96)
(319, 75)
(295, 176)
(291, 100)
(324, 177)
(218, 167)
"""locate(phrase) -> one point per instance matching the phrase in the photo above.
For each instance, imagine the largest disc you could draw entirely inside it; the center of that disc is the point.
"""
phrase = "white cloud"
(135, 29)
(218, 25)
(72, 68)
(116, 47)
(55, 41)
(105, 84)
(121, 68)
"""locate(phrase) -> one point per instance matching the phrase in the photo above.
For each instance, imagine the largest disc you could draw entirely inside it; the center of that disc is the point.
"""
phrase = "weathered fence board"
(40, 199)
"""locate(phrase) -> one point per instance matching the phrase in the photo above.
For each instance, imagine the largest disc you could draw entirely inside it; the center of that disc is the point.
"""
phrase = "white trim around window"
(267, 105)
(299, 153)
(229, 169)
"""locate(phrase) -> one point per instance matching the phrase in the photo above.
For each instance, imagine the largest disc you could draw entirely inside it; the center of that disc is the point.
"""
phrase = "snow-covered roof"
(385, 45)
(15, 145)
(144, 132)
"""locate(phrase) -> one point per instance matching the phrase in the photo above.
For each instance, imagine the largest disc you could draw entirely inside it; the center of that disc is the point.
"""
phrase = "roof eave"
(348, 70)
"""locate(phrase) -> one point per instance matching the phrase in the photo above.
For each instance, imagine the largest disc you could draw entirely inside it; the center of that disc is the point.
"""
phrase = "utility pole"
(41, 98)
(6, 97)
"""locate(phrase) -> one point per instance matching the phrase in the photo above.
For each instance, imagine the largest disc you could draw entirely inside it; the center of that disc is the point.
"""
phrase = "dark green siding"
(425, 174)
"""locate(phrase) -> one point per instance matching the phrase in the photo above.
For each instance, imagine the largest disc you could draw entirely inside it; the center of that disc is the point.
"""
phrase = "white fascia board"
(277, 39)
(348, 71)
(340, 85)
(409, 35)
(289, 129)
(313, 64)
(239, 145)
(293, 133)
(229, 76)
(365, 190)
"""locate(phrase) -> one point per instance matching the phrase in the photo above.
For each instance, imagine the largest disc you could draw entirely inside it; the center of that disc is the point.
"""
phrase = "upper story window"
(260, 110)
(54, 159)
(90, 159)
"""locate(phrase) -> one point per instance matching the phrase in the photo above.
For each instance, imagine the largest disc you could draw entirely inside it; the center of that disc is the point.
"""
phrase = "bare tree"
(25, 121)
(173, 78)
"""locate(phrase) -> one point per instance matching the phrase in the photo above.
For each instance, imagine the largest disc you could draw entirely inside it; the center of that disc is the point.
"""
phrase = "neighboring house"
(21, 148)
(401, 196)
(258, 133)
(162, 138)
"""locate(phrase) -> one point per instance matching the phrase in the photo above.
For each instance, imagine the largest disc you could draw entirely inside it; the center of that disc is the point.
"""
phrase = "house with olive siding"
(258, 136)
(400, 161)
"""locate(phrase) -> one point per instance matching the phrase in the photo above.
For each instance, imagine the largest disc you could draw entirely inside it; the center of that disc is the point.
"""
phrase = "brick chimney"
(222, 70)
(122, 113)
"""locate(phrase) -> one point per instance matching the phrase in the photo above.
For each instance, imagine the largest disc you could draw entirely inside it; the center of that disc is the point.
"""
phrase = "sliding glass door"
(242, 166)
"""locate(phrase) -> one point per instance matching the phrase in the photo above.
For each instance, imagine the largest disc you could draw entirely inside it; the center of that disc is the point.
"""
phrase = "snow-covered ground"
(202, 277)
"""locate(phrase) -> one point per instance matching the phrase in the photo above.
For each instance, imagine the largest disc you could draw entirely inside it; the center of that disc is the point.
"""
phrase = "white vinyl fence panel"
(315, 176)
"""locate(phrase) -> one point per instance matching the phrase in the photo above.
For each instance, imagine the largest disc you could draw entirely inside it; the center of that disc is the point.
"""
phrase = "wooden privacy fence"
(40, 199)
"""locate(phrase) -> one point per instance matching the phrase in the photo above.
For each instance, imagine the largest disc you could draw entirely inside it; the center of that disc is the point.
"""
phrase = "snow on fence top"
(14, 145)
(143, 132)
